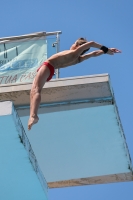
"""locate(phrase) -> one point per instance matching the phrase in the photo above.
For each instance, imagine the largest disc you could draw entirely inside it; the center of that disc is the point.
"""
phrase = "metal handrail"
(31, 35)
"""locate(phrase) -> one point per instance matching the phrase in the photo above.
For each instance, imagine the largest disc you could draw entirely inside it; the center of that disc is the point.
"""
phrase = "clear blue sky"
(107, 22)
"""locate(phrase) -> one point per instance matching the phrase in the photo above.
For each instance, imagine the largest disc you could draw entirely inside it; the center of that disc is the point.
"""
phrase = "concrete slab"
(66, 89)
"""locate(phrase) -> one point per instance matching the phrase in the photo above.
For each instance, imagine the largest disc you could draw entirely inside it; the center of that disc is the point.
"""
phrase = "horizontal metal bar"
(31, 35)
(53, 33)
(4, 41)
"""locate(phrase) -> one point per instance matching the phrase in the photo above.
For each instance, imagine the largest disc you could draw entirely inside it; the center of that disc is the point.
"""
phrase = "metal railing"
(56, 44)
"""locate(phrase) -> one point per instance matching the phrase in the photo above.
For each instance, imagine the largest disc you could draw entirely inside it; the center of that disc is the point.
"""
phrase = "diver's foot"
(32, 120)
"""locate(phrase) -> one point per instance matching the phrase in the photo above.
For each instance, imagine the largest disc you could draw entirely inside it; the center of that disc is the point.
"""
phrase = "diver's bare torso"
(64, 59)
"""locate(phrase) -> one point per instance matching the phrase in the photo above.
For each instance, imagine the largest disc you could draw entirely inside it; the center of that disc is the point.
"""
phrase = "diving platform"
(79, 139)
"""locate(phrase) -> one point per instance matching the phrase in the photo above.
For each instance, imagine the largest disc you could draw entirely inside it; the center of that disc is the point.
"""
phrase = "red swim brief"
(51, 68)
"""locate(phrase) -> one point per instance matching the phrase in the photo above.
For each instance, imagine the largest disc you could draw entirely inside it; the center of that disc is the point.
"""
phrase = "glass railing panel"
(19, 60)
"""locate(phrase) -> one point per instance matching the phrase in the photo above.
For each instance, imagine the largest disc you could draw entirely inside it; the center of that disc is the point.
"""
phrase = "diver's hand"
(111, 51)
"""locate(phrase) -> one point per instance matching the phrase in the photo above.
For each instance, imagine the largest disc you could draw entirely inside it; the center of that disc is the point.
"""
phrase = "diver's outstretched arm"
(93, 44)
(111, 51)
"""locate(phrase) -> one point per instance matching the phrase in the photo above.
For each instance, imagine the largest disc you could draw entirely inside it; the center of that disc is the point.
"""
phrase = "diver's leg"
(35, 95)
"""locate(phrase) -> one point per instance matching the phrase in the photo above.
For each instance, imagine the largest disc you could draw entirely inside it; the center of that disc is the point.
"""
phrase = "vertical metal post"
(57, 50)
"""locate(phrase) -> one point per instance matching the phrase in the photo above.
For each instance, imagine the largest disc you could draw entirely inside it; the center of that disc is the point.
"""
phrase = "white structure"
(79, 138)
(18, 179)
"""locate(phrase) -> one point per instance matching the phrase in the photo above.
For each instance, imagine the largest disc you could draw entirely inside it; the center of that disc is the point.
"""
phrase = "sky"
(106, 22)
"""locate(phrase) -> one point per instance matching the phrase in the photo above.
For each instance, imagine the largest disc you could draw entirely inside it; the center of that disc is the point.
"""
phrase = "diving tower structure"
(79, 139)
